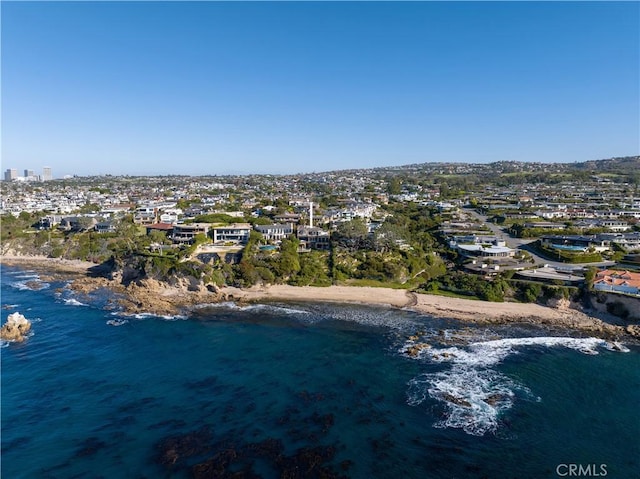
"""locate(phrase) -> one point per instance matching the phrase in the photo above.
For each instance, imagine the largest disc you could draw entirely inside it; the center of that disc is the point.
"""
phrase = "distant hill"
(625, 164)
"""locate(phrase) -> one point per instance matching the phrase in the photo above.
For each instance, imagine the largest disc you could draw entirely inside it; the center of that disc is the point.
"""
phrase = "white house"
(275, 232)
(236, 232)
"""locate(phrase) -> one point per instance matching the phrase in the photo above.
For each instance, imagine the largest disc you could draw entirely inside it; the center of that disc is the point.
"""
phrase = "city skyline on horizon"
(221, 88)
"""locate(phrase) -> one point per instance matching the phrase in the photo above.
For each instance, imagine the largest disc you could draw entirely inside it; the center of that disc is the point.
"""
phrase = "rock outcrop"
(634, 330)
(16, 328)
(415, 349)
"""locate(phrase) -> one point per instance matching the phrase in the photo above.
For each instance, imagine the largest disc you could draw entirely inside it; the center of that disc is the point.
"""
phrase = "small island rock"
(16, 328)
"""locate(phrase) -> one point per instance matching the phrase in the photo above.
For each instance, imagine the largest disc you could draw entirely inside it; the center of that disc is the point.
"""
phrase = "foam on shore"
(473, 392)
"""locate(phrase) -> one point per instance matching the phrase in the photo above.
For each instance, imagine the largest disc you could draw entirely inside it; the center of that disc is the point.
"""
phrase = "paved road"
(525, 244)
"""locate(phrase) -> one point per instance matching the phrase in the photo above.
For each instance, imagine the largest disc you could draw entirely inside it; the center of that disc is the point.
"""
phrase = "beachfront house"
(617, 282)
(275, 232)
(236, 233)
(312, 237)
(186, 233)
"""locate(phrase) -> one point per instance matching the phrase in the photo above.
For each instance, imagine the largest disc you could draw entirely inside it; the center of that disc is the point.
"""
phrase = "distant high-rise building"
(46, 174)
(29, 173)
(10, 174)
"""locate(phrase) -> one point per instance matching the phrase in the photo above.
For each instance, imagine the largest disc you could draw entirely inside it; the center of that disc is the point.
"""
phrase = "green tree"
(352, 234)
(530, 292)
(289, 262)
(395, 186)
(589, 276)
(313, 270)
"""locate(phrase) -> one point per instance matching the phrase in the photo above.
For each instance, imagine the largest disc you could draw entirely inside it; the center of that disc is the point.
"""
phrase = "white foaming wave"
(474, 398)
(22, 285)
(224, 304)
(167, 317)
(27, 275)
(390, 319)
(488, 353)
(584, 345)
(74, 302)
(474, 394)
(274, 308)
(117, 322)
(252, 307)
(10, 306)
(487, 394)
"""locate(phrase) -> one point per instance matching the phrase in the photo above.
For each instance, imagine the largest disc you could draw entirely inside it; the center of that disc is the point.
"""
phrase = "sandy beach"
(48, 264)
(467, 310)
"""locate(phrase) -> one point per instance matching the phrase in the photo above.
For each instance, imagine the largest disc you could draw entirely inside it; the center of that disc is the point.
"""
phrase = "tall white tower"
(311, 214)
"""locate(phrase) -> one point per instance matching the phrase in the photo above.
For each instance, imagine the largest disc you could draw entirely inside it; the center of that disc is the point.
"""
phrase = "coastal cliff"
(138, 289)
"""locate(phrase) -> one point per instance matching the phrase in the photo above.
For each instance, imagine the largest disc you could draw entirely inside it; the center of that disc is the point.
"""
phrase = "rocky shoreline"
(181, 295)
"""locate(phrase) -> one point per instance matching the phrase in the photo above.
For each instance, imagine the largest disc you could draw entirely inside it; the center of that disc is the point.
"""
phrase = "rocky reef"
(16, 328)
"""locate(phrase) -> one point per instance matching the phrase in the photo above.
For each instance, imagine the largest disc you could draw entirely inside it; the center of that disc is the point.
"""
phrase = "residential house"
(287, 218)
(617, 282)
(312, 237)
(275, 232)
(577, 243)
(77, 223)
(495, 249)
(145, 215)
(170, 215)
(236, 232)
(105, 227)
(185, 234)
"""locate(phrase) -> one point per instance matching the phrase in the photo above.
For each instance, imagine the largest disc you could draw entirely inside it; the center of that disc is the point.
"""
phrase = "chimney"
(311, 214)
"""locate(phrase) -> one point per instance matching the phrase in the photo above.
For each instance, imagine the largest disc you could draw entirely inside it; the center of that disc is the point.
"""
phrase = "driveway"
(525, 245)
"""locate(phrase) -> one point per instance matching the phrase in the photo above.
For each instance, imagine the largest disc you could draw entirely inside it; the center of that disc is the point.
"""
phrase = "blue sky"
(287, 87)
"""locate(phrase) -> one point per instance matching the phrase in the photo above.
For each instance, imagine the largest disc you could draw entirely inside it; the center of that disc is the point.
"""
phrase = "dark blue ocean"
(305, 390)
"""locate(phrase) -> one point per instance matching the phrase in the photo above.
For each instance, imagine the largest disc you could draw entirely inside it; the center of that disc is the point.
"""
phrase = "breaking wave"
(33, 284)
(74, 302)
(252, 307)
(117, 322)
(474, 394)
(167, 317)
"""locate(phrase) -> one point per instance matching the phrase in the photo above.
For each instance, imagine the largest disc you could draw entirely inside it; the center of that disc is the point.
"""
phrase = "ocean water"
(305, 390)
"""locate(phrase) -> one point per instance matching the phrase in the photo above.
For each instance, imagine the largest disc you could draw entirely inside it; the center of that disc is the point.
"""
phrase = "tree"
(85, 223)
(531, 292)
(394, 187)
(313, 270)
(352, 234)
(159, 237)
(589, 276)
(289, 262)
(387, 236)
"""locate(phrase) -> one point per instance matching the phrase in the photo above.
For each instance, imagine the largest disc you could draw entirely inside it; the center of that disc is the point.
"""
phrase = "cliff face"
(623, 306)
(142, 287)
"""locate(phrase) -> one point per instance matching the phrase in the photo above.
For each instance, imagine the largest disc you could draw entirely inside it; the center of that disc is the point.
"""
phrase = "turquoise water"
(565, 247)
(304, 390)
